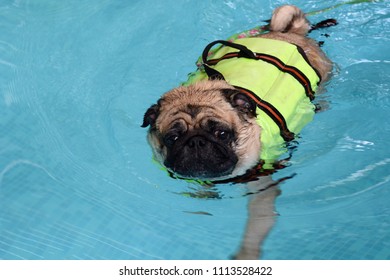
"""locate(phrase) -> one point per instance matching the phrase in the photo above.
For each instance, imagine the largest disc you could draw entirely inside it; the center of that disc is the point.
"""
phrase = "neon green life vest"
(276, 75)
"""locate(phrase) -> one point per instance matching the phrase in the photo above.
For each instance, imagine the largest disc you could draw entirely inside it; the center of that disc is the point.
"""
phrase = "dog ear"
(151, 115)
(240, 101)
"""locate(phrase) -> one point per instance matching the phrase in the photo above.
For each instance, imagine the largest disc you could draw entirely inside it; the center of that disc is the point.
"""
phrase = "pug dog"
(211, 129)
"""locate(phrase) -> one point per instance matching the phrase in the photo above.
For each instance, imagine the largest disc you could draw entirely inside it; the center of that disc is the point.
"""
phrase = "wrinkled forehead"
(194, 111)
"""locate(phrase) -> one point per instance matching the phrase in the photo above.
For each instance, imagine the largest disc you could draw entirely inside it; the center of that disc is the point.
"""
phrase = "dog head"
(206, 130)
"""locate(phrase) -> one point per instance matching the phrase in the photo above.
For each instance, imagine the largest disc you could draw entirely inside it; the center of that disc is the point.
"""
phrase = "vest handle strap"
(243, 51)
(214, 74)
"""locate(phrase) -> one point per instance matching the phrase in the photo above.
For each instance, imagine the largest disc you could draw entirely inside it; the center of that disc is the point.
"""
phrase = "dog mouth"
(201, 157)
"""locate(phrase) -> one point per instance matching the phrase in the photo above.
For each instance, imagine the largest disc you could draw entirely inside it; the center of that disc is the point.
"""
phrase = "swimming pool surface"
(76, 176)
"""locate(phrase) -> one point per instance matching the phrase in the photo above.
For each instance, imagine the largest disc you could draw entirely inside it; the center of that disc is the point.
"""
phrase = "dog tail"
(289, 18)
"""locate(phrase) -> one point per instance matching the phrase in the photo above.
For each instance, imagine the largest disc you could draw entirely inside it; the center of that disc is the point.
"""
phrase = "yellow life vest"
(276, 75)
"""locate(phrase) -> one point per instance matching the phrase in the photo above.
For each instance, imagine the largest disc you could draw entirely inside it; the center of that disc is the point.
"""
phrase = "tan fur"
(289, 19)
(297, 35)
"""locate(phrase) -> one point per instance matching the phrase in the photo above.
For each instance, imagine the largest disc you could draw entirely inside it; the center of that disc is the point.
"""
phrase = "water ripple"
(384, 181)
(355, 175)
(348, 143)
(18, 162)
(128, 249)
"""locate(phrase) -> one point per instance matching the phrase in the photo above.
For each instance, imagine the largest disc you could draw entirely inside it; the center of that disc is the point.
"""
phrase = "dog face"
(207, 130)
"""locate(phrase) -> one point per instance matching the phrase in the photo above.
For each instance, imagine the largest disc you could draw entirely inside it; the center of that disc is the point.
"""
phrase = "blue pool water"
(76, 176)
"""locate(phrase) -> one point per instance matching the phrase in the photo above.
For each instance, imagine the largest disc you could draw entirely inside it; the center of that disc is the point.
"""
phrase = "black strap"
(324, 24)
(272, 112)
(244, 51)
(214, 74)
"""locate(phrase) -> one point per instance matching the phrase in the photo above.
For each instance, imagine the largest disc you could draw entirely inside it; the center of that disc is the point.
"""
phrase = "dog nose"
(197, 142)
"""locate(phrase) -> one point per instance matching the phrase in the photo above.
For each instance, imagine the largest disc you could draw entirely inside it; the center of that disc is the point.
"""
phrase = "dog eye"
(170, 139)
(222, 134)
